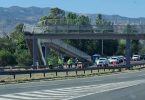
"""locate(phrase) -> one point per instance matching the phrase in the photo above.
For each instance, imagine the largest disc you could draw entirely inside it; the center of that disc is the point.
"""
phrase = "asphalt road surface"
(124, 86)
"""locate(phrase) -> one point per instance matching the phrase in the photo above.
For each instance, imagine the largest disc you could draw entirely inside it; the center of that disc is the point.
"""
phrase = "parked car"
(121, 59)
(102, 62)
(114, 59)
(95, 57)
(142, 57)
(136, 57)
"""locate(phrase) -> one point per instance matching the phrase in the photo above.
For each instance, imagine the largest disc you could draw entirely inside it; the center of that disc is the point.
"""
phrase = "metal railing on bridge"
(61, 44)
(82, 29)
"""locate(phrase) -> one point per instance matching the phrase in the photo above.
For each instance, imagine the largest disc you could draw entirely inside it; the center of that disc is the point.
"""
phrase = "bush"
(7, 59)
(24, 58)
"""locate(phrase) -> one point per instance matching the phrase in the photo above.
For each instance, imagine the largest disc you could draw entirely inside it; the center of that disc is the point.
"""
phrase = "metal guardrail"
(44, 71)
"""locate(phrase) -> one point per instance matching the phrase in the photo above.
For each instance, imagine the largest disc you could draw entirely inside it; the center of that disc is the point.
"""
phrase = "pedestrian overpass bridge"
(51, 36)
(85, 32)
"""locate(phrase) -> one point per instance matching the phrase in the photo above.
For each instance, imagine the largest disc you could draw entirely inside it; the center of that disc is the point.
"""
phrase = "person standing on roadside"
(76, 62)
(60, 62)
(70, 62)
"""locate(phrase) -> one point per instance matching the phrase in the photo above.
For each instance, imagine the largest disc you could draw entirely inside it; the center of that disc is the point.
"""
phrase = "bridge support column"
(128, 52)
(47, 51)
(35, 54)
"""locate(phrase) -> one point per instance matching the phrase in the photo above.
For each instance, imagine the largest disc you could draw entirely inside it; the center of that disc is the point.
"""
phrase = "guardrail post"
(109, 69)
(56, 73)
(98, 70)
(44, 74)
(119, 69)
(76, 72)
(67, 73)
(139, 67)
(14, 76)
(91, 71)
(84, 71)
(104, 69)
(113, 70)
(30, 74)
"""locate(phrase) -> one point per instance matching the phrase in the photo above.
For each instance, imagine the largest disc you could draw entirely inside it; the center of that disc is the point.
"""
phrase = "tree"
(53, 58)
(109, 46)
(22, 53)
(130, 29)
(7, 44)
(43, 21)
(84, 23)
(23, 58)
(6, 58)
(71, 18)
(121, 48)
(13, 49)
(142, 50)
(135, 46)
(83, 20)
(99, 21)
(18, 37)
(56, 16)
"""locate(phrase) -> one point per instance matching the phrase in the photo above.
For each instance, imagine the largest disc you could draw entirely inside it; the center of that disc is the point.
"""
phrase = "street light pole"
(102, 47)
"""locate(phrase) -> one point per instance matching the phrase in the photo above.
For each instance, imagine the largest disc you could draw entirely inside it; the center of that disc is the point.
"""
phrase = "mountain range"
(10, 17)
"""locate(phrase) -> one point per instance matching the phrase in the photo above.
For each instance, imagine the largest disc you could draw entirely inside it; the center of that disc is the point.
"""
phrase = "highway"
(122, 86)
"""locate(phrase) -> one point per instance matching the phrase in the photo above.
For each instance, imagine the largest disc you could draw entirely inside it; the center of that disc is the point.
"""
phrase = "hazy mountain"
(116, 19)
(10, 17)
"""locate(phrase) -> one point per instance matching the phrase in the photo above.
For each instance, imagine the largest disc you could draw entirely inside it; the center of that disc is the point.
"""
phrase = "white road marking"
(70, 92)
(97, 80)
(142, 75)
(110, 88)
(123, 77)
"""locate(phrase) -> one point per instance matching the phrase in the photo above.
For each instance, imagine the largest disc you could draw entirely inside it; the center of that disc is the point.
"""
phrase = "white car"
(114, 59)
(136, 57)
(102, 62)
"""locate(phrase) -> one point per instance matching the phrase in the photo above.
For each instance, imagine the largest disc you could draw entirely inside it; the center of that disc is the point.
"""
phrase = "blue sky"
(128, 8)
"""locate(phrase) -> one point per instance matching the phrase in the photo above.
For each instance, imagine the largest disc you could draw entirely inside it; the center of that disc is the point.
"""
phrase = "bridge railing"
(70, 48)
(82, 29)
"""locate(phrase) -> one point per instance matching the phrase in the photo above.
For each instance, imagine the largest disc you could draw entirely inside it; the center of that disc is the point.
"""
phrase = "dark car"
(142, 57)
